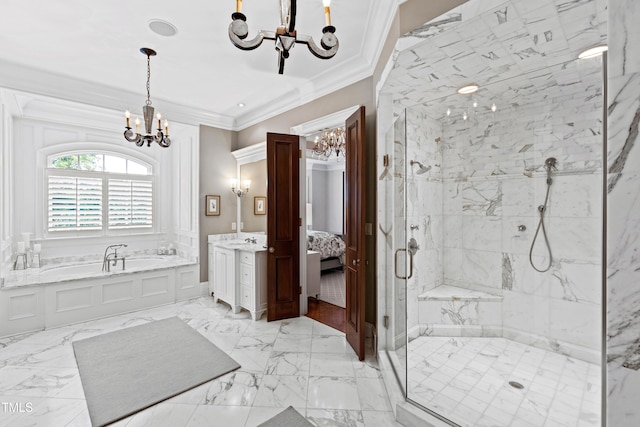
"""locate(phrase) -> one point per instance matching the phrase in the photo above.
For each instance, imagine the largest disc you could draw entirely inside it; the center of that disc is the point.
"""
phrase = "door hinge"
(299, 222)
(300, 153)
(385, 322)
(300, 290)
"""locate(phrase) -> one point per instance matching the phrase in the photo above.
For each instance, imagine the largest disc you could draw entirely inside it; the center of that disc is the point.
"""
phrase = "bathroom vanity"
(238, 275)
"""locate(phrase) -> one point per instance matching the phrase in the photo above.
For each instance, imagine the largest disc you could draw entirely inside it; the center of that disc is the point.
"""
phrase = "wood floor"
(329, 314)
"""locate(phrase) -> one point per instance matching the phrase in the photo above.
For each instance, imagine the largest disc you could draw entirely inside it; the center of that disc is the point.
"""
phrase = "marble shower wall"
(424, 207)
(486, 179)
(494, 181)
(623, 225)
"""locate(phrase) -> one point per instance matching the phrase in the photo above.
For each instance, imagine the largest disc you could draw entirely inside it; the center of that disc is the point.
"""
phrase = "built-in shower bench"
(455, 311)
(454, 293)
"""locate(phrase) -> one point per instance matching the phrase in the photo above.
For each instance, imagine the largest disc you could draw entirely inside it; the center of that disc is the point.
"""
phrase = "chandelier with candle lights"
(331, 141)
(162, 138)
(285, 35)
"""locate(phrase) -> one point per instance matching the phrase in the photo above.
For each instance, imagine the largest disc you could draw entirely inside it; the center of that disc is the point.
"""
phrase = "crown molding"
(329, 121)
(250, 154)
(28, 106)
(40, 82)
(357, 69)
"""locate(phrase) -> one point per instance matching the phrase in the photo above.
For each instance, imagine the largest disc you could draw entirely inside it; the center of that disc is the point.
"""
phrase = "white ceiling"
(88, 51)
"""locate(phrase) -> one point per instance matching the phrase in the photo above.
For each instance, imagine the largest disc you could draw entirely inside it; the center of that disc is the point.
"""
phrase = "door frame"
(332, 120)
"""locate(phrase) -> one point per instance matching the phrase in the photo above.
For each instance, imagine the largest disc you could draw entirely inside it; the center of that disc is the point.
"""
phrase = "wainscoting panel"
(118, 292)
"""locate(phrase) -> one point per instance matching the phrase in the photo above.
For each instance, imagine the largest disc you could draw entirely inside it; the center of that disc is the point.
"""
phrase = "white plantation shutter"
(130, 203)
(74, 203)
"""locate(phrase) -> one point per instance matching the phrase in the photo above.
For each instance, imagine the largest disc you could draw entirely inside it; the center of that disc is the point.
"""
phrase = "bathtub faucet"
(111, 258)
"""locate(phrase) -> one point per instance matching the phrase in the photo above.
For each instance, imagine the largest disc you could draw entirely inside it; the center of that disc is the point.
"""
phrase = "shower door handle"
(395, 264)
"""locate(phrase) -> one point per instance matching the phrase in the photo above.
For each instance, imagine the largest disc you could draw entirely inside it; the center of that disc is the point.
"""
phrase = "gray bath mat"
(287, 418)
(125, 371)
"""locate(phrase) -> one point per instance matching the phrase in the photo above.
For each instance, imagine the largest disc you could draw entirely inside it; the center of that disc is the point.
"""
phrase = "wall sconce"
(242, 190)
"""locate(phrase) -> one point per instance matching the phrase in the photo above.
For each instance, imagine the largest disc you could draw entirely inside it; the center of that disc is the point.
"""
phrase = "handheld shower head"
(421, 168)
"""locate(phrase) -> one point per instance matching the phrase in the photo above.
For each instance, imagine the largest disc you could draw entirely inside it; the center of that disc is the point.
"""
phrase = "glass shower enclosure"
(478, 330)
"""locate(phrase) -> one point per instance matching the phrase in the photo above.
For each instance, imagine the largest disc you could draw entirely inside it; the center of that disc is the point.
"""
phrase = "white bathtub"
(94, 269)
(63, 294)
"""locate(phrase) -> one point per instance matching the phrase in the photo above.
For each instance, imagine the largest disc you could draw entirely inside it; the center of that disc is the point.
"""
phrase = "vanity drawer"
(245, 297)
(246, 274)
(246, 258)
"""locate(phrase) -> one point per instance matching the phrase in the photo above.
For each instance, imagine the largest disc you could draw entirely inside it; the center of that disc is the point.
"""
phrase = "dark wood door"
(355, 231)
(283, 226)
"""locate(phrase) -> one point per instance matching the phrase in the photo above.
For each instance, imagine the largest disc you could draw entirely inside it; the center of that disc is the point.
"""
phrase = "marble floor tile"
(282, 391)
(236, 388)
(287, 363)
(297, 362)
(373, 395)
(205, 415)
(331, 344)
(333, 393)
(335, 418)
(163, 415)
(293, 343)
(332, 364)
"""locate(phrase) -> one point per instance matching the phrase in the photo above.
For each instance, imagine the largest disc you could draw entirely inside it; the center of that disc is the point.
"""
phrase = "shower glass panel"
(396, 255)
(490, 340)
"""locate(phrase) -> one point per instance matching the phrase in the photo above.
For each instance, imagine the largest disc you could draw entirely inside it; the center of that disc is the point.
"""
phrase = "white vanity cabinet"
(239, 277)
(223, 262)
(252, 281)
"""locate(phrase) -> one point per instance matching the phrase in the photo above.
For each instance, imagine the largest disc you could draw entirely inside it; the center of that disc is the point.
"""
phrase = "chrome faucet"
(251, 240)
(111, 258)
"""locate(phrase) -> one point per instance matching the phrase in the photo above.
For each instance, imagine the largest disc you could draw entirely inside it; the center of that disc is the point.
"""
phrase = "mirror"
(253, 211)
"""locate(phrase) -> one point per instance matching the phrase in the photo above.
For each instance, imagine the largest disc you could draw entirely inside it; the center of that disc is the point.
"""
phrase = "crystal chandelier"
(285, 35)
(330, 142)
(161, 138)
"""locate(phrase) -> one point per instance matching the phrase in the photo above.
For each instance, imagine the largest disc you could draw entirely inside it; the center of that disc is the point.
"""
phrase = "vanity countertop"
(240, 245)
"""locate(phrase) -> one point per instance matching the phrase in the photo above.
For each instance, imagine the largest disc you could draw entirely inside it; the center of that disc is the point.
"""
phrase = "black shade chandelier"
(161, 138)
(285, 35)
(330, 142)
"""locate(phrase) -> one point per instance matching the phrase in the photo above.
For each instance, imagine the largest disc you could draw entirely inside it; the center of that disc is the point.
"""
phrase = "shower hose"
(541, 210)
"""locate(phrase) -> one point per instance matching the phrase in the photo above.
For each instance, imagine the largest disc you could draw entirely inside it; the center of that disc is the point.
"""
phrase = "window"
(99, 192)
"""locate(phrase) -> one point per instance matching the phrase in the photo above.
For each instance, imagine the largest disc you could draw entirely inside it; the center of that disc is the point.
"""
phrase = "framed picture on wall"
(259, 205)
(212, 206)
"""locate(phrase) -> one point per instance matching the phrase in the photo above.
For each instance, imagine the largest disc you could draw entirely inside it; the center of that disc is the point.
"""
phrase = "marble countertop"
(240, 245)
(68, 271)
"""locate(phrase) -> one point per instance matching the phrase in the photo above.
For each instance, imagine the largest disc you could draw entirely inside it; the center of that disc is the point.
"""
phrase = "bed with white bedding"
(331, 247)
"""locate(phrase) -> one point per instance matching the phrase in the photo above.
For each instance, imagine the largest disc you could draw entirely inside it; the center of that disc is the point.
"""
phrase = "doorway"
(332, 244)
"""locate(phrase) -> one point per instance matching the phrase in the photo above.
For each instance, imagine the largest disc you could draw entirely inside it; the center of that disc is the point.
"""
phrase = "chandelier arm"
(328, 50)
(128, 135)
(238, 31)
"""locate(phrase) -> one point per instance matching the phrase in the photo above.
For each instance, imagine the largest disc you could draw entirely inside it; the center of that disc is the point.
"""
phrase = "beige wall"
(412, 14)
(257, 173)
(217, 165)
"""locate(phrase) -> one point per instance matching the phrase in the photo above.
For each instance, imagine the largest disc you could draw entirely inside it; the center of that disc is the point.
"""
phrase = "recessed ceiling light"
(468, 89)
(163, 28)
(240, 104)
(592, 52)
